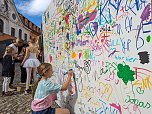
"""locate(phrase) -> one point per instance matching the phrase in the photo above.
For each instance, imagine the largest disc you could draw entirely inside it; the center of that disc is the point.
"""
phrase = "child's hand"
(70, 73)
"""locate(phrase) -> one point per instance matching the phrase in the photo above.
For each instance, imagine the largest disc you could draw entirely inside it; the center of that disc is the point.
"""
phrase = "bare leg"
(34, 74)
(28, 70)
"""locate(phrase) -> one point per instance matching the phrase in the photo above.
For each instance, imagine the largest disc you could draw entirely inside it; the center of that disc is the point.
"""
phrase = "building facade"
(14, 23)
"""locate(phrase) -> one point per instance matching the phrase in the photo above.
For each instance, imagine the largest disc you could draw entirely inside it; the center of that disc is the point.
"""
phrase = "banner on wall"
(108, 45)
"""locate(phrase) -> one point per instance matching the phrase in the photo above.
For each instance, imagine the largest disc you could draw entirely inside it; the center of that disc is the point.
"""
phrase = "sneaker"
(3, 93)
(9, 89)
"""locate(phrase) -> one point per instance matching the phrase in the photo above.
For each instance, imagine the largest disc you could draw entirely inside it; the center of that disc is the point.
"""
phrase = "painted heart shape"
(93, 26)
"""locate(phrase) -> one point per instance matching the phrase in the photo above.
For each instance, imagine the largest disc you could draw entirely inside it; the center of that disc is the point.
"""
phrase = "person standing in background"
(30, 62)
(7, 70)
(20, 58)
(18, 42)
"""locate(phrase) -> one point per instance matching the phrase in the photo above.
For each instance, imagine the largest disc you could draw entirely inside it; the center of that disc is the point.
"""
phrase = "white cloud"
(33, 7)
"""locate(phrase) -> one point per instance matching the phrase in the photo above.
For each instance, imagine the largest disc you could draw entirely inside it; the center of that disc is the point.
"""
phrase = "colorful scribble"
(101, 40)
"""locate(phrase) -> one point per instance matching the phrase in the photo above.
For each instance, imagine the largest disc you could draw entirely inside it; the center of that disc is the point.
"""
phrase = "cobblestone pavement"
(15, 104)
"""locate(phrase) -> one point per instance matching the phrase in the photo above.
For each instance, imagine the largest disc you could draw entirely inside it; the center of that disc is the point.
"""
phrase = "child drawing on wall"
(44, 92)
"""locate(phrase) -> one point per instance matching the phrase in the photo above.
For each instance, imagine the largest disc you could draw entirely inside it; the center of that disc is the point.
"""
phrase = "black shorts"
(46, 111)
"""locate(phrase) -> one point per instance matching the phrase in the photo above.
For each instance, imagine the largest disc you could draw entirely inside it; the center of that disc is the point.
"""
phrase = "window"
(30, 24)
(26, 22)
(30, 37)
(12, 31)
(14, 16)
(1, 26)
(25, 37)
(20, 33)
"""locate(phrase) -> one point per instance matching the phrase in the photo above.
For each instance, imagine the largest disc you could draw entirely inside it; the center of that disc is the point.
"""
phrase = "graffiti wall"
(108, 44)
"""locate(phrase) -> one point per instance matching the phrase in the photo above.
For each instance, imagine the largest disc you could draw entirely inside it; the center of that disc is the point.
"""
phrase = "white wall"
(110, 41)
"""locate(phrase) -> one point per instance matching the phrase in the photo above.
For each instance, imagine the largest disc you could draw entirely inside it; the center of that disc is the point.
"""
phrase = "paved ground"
(16, 104)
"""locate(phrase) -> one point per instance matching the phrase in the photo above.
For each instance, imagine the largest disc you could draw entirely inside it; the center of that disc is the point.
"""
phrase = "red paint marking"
(50, 58)
(117, 107)
(67, 19)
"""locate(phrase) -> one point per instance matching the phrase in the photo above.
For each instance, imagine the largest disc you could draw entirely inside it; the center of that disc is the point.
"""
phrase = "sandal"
(28, 91)
(9, 93)
(3, 93)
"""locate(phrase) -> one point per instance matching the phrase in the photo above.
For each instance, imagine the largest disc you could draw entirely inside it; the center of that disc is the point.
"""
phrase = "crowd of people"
(44, 92)
(27, 56)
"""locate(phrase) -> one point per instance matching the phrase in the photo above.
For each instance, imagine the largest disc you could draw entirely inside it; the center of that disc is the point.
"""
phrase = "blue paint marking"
(139, 40)
(77, 30)
(116, 7)
(137, 4)
(93, 26)
(146, 24)
(68, 36)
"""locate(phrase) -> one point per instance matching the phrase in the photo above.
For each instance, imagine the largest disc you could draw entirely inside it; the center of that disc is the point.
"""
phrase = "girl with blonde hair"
(44, 92)
(30, 62)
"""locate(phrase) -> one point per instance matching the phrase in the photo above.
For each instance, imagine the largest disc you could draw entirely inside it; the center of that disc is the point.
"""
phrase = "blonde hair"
(33, 40)
(43, 68)
(19, 41)
(9, 49)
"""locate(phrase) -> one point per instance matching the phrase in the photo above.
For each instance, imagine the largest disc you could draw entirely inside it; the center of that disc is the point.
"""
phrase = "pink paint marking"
(136, 72)
(143, 69)
(82, 21)
(118, 107)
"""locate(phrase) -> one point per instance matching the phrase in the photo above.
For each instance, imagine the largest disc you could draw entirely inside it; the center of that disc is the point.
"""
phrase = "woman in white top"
(30, 62)
(18, 42)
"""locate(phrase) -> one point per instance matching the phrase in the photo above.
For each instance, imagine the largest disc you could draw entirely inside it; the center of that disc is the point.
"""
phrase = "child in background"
(7, 70)
(44, 93)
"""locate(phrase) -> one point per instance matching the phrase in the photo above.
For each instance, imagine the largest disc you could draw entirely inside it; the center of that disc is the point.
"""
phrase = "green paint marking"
(139, 90)
(125, 73)
(148, 38)
(87, 30)
(86, 54)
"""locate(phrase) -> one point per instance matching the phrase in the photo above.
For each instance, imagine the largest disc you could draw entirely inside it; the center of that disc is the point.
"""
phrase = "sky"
(32, 9)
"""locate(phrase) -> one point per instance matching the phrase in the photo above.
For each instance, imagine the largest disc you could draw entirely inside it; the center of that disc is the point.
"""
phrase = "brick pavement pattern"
(18, 103)
(15, 104)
